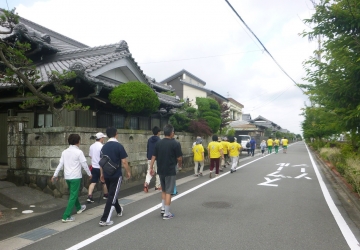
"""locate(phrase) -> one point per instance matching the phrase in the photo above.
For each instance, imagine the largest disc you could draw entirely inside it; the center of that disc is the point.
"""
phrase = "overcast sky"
(204, 37)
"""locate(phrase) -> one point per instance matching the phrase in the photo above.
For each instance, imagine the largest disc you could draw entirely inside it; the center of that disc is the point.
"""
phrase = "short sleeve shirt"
(116, 152)
(198, 151)
(225, 145)
(214, 148)
(269, 142)
(94, 153)
(167, 151)
(285, 142)
(234, 149)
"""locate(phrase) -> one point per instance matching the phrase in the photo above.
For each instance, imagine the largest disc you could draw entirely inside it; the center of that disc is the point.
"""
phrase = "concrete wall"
(43, 147)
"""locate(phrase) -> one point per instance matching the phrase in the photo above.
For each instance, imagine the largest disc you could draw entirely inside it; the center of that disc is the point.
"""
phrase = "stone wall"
(43, 147)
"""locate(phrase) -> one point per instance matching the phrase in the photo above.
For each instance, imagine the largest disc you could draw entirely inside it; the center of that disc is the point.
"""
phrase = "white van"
(243, 139)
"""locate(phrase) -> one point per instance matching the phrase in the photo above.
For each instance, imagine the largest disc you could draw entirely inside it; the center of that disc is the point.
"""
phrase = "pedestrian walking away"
(248, 147)
(262, 147)
(276, 145)
(168, 155)
(215, 152)
(270, 143)
(72, 159)
(234, 151)
(118, 158)
(285, 144)
(94, 153)
(225, 144)
(252, 146)
(149, 152)
(198, 151)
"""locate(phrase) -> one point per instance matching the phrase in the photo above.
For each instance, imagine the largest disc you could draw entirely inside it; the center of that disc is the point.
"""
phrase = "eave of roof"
(234, 101)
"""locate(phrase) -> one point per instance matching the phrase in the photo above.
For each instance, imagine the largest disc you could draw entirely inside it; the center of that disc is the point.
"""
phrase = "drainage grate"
(37, 234)
(217, 204)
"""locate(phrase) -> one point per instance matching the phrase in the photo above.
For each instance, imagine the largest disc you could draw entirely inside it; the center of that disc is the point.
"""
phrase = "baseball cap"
(100, 135)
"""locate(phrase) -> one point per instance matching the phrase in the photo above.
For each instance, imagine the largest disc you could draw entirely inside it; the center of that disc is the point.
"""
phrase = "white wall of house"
(235, 111)
(188, 79)
(192, 93)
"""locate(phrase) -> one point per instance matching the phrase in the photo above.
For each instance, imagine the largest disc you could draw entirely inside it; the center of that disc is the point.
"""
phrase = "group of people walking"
(164, 159)
(270, 143)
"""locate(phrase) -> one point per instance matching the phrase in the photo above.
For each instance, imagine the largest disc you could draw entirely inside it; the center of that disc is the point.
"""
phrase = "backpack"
(248, 145)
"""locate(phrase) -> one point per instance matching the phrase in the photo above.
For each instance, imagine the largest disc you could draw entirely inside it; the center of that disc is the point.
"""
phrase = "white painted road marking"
(268, 180)
(302, 170)
(344, 227)
(150, 210)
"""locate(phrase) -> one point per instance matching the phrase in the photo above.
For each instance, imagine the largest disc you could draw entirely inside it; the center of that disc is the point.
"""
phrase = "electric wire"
(265, 49)
(203, 57)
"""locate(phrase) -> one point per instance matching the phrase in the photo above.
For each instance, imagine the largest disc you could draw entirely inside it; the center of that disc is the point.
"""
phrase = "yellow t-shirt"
(285, 142)
(276, 142)
(198, 151)
(234, 149)
(225, 145)
(269, 142)
(214, 148)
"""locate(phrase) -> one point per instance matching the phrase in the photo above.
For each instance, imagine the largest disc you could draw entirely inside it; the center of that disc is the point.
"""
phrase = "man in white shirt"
(94, 153)
(72, 159)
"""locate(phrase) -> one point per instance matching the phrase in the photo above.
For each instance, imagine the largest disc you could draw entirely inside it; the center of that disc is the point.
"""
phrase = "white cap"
(100, 135)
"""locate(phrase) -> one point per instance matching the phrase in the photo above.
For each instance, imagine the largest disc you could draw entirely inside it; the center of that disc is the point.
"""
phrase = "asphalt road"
(280, 201)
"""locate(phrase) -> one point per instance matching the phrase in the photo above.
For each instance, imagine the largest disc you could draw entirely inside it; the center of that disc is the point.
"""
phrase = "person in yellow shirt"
(198, 151)
(270, 143)
(215, 151)
(285, 144)
(276, 145)
(234, 151)
(225, 145)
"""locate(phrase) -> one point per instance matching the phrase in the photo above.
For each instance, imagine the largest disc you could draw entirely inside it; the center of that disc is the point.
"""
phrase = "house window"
(44, 121)
(119, 121)
(134, 123)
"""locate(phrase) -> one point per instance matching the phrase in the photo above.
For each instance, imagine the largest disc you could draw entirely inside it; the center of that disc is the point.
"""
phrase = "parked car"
(243, 139)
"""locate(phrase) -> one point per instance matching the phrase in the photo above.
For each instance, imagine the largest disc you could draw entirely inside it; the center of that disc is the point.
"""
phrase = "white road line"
(344, 227)
(142, 214)
(302, 170)
(279, 169)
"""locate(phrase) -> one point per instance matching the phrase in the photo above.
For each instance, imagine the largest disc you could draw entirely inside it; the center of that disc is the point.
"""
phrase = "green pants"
(269, 149)
(74, 187)
(276, 149)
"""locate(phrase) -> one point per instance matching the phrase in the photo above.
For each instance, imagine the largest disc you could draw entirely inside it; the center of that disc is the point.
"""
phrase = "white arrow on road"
(301, 165)
(283, 164)
(268, 181)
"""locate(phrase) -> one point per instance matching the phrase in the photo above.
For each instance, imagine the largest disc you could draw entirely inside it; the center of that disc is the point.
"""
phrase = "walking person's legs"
(212, 165)
(168, 184)
(217, 166)
(95, 173)
(74, 187)
(201, 167)
(113, 185)
(196, 167)
(147, 178)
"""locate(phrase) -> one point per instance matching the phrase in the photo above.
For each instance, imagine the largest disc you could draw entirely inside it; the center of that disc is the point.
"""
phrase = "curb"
(350, 194)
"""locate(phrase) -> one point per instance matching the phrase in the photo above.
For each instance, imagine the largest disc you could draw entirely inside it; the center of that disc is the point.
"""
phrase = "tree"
(334, 70)
(319, 123)
(134, 98)
(17, 68)
(209, 110)
(224, 115)
(180, 121)
(200, 127)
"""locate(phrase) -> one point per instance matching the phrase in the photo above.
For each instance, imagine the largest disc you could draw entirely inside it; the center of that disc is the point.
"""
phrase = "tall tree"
(224, 115)
(335, 76)
(209, 110)
(16, 68)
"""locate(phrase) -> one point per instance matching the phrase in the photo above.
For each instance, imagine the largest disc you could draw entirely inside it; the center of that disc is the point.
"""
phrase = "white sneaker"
(122, 210)
(70, 219)
(82, 209)
(104, 223)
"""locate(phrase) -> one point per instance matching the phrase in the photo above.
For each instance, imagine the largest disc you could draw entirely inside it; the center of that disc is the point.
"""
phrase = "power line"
(262, 45)
(194, 58)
